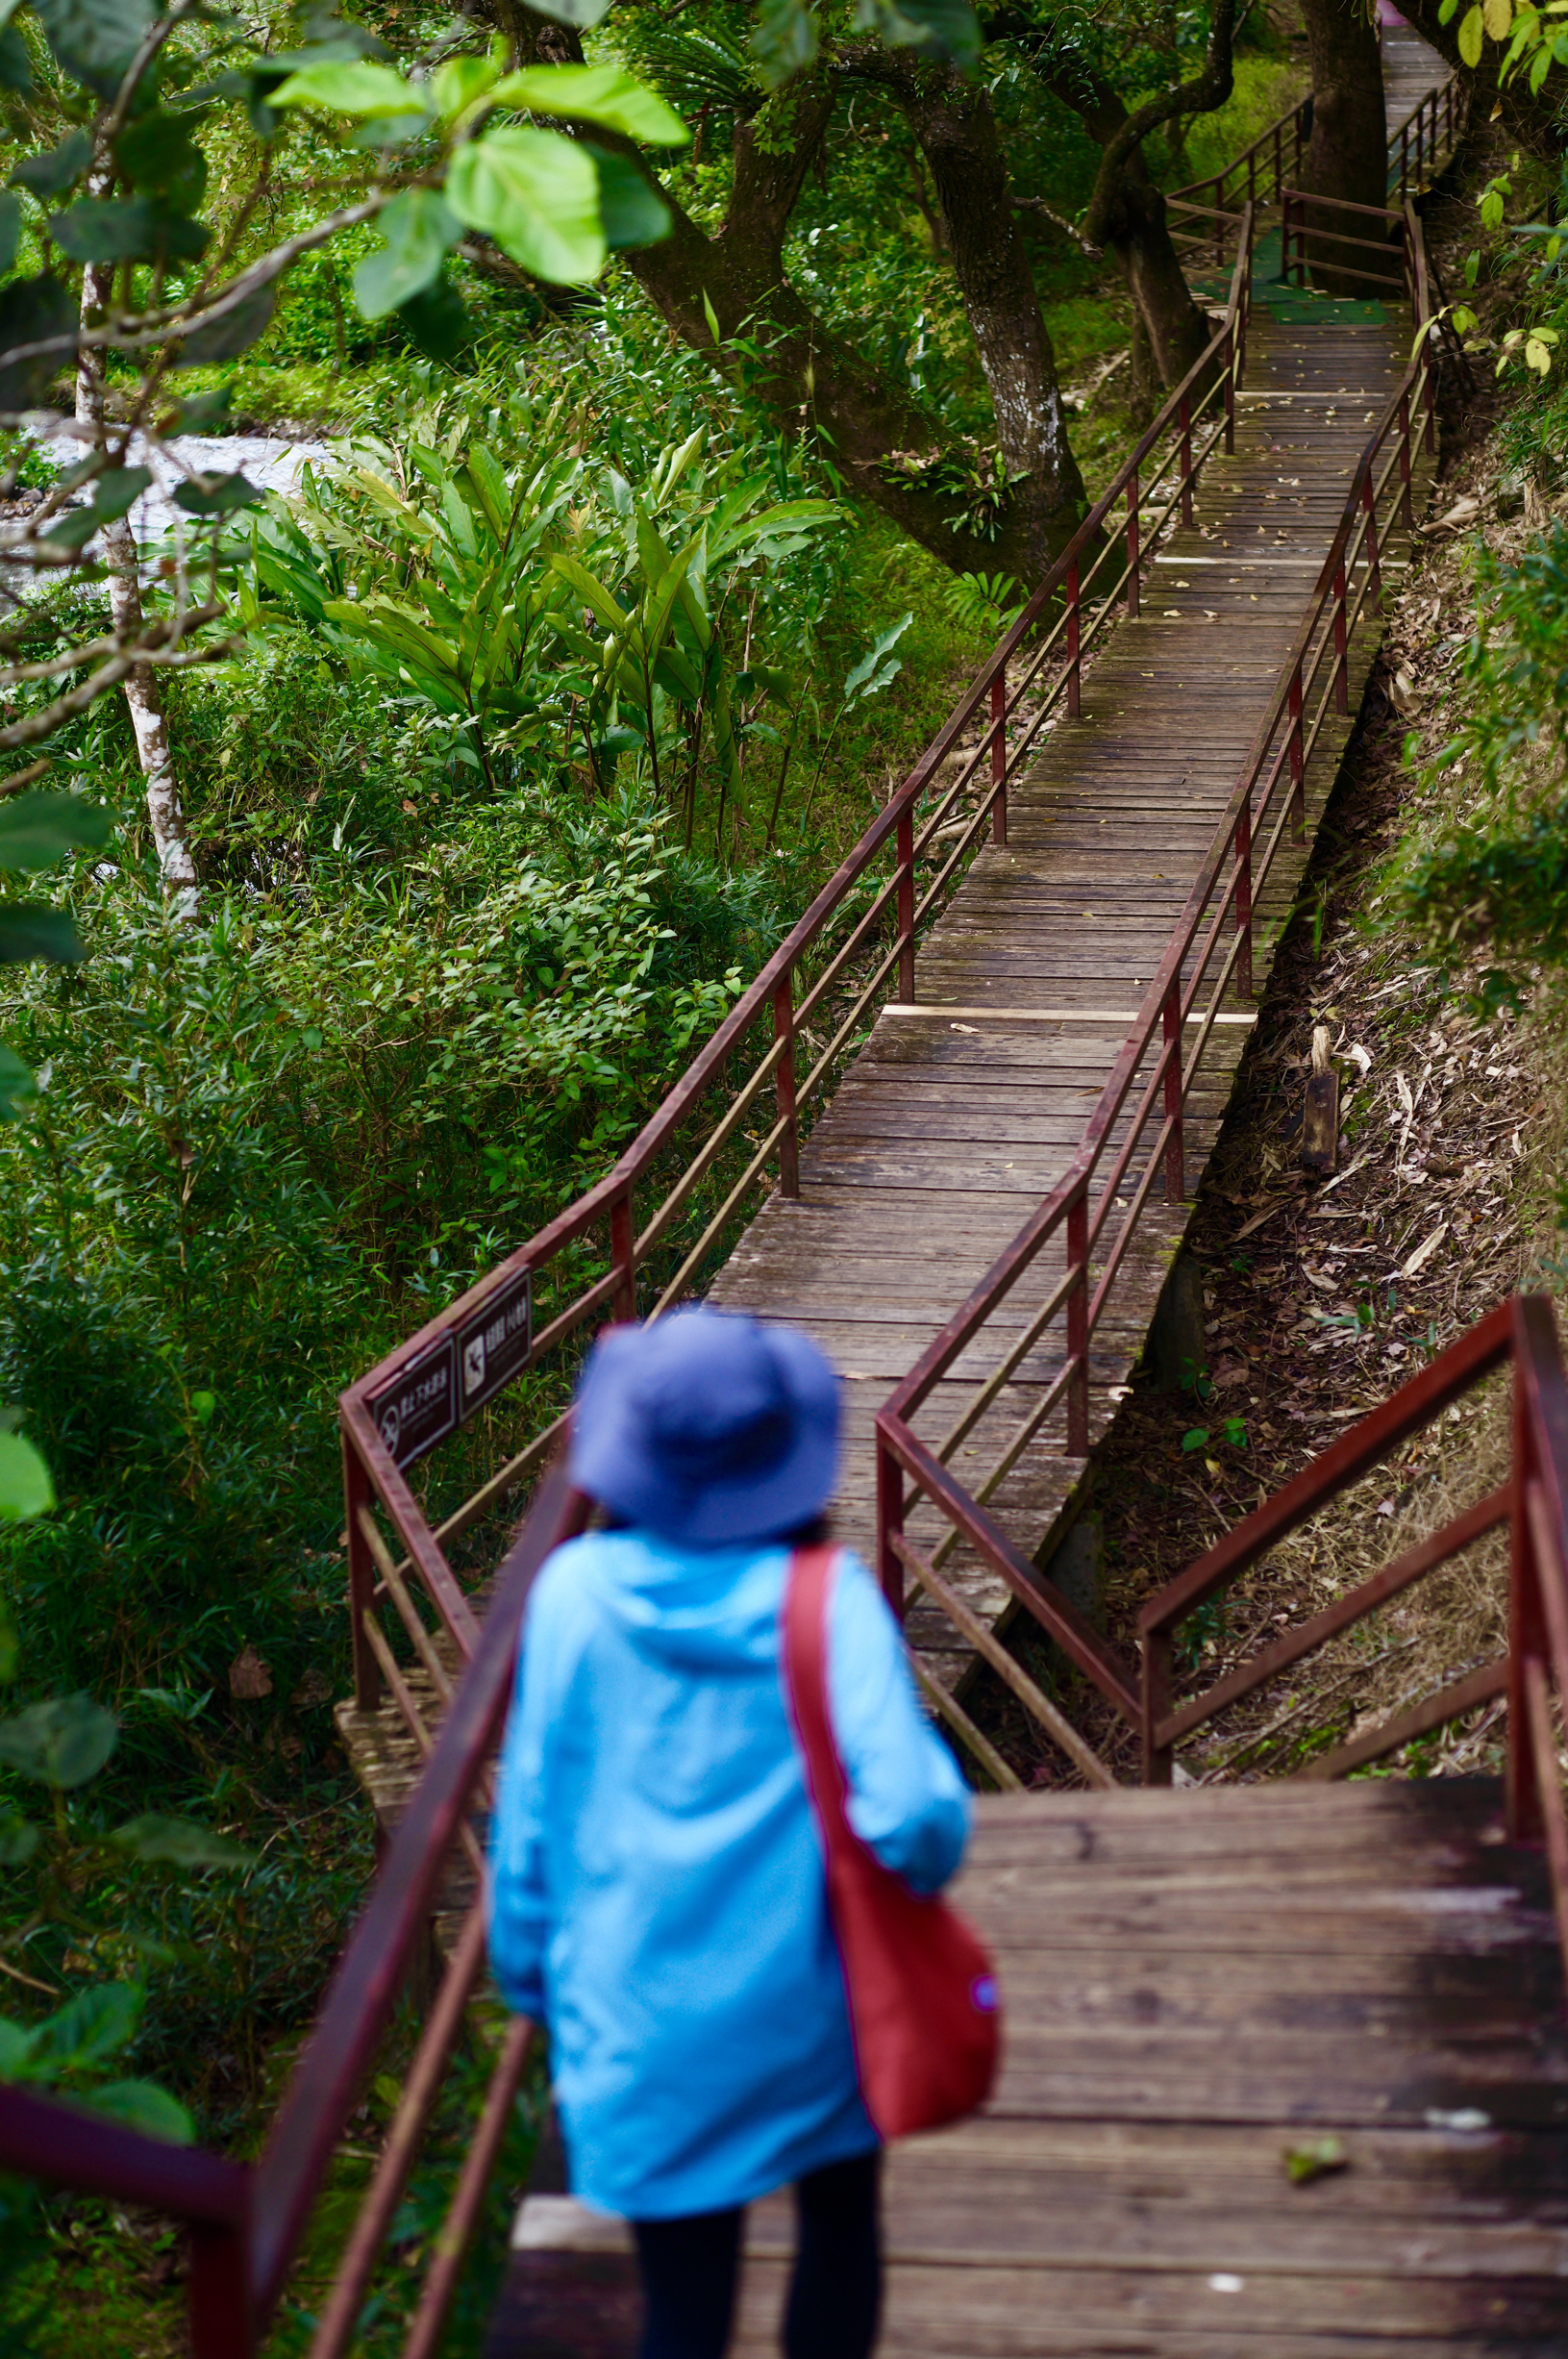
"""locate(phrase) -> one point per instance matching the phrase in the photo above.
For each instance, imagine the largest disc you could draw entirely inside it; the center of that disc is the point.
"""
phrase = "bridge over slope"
(954, 1125)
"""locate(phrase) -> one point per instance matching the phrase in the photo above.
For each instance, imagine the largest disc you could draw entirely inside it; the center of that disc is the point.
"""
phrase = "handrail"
(1155, 1073)
(1034, 671)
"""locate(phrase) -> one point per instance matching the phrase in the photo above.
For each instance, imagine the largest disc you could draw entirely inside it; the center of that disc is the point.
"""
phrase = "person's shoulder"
(570, 1582)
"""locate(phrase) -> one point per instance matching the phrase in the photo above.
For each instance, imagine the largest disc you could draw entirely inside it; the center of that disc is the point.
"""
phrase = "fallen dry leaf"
(249, 1677)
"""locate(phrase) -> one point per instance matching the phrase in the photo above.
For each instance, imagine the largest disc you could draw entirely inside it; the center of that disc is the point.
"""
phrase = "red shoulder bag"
(922, 1992)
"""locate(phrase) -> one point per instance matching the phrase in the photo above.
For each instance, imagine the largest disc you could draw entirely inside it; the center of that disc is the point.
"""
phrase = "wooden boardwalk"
(1198, 1986)
(957, 1119)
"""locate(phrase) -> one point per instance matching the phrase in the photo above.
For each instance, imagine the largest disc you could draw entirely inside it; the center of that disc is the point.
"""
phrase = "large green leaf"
(216, 495)
(593, 592)
(25, 1488)
(227, 337)
(584, 14)
(537, 195)
(437, 319)
(18, 1090)
(351, 86)
(57, 168)
(33, 311)
(86, 2029)
(786, 39)
(604, 94)
(944, 28)
(18, 1841)
(60, 1743)
(158, 152)
(632, 210)
(132, 229)
(141, 2105)
(16, 65)
(416, 230)
(37, 829)
(94, 41)
(11, 228)
(33, 930)
(179, 1841)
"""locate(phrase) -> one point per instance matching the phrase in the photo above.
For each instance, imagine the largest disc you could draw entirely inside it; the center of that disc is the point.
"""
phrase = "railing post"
(1403, 161)
(221, 2324)
(1074, 669)
(889, 1526)
(784, 1029)
(1369, 501)
(1243, 840)
(1407, 513)
(1219, 219)
(1158, 1765)
(1341, 640)
(362, 1576)
(905, 904)
(1185, 423)
(1176, 1164)
(623, 1254)
(1527, 1625)
(1134, 585)
(999, 757)
(1078, 1325)
(1279, 164)
(1298, 766)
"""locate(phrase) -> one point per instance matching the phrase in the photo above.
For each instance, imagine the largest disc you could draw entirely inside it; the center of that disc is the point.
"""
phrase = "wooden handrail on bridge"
(862, 930)
(1207, 960)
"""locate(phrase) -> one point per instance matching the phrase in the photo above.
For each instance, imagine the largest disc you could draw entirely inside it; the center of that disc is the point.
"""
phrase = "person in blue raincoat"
(658, 1894)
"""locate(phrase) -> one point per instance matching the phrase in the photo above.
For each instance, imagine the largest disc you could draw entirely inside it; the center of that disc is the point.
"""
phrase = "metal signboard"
(419, 1407)
(495, 1343)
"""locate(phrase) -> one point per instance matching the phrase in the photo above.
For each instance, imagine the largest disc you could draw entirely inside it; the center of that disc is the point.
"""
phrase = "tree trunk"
(889, 450)
(954, 124)
(143, 693)
(1348, 156)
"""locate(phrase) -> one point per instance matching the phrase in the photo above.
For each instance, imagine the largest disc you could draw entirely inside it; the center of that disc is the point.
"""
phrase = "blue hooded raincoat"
(658, 1892)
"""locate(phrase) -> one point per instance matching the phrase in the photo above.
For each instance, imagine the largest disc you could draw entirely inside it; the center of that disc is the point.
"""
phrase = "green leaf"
(352, 86)
(712, 318)
(204, 1405)
(179, 1841)
(140, 2105)
(18, 1090)
(157, 152)
(604, 94)
(34, 312)
(944, 28)
(16, 2048)
(25, 1488)
(16, 65)
(33, 930)
(60, 1743)
(593, 592)
(227, 337)
(787, 40)
(37, 829)
(1197, 1439)
(459, 84)
(584, 14)
(119, 490)
(133, 229)
(632, 210)
(86, 2029)
(198, 413)
(1470, 38)
(416, 231)
(18, 1841)
(53, 172)
(537, 195)
(94, 41)
(216, 495)
(437, 319)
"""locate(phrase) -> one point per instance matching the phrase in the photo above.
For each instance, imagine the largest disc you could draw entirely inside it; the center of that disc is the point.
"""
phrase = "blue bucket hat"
(708, 1427)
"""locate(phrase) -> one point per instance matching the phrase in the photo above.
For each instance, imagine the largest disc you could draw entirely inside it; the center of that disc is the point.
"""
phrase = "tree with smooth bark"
(1347, 157)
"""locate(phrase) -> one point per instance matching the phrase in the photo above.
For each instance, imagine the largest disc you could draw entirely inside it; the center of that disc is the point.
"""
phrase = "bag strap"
(806, 1585)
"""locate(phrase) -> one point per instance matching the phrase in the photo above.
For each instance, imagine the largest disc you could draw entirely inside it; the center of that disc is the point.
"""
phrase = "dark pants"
(689, 2268)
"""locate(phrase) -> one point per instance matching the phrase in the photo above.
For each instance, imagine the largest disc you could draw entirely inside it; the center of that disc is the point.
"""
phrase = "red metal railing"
(1132, 1143)
(1533, 1503)
(1207, 212)
(246, 2222)
(851, 951)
